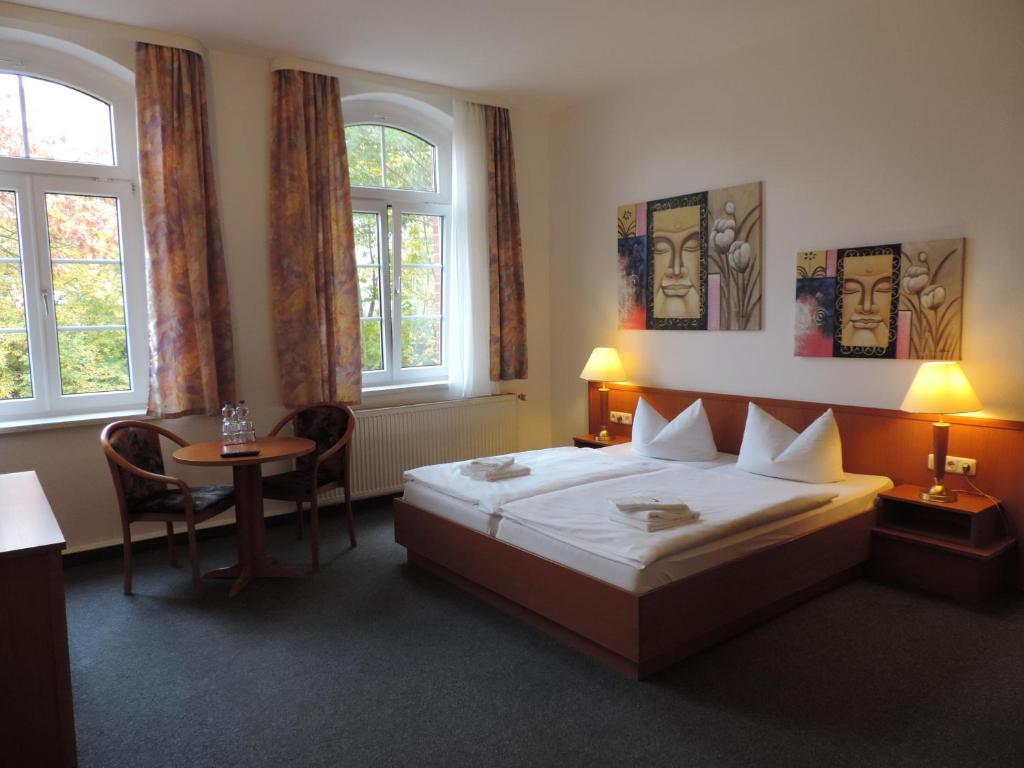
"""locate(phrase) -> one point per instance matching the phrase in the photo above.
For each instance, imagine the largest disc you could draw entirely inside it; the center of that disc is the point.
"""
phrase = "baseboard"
(159, 540)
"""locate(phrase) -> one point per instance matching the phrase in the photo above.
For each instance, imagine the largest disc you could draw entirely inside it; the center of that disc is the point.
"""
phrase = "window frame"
(434, 127)
(32, 179)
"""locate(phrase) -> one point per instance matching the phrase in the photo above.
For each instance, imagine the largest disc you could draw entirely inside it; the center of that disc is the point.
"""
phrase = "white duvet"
(551, 469)
(726, 503)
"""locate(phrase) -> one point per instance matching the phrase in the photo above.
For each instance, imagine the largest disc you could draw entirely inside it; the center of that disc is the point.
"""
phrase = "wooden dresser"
(37, 725)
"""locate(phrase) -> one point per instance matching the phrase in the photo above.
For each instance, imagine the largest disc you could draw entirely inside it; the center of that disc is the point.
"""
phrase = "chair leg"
(170, 544)
(348, 514)
(193, 555)
(299, 518)
(314, 533)
(126, 532)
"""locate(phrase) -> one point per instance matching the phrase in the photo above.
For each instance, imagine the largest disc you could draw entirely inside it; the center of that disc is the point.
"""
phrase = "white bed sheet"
(552, 469)
(451, 508)
(856, 494)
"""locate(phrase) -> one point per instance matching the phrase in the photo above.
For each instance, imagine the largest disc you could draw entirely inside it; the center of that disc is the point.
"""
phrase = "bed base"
(636, 634)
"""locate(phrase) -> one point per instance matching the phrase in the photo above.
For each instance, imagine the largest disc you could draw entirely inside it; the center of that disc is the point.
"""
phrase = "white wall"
(902, 125)
(68, 459)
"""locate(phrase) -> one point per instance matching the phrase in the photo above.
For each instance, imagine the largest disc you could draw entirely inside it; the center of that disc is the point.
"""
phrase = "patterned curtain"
(508, 296)
(192, 366)
(312, 249)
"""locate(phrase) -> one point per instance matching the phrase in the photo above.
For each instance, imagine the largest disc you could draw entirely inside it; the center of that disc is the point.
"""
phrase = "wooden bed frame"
(640, 634)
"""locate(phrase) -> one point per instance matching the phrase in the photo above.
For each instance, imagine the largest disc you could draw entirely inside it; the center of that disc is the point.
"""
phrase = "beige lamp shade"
(603, 365)
(940, 388)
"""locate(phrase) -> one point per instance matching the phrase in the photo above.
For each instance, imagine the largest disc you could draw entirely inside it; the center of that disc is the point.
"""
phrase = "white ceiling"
(553, 50)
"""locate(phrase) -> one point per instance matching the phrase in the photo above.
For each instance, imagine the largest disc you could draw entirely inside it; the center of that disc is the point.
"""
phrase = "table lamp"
(603, 366)
(940, 388)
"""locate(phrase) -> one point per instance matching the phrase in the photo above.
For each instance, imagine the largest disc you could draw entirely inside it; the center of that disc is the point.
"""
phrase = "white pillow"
(773, 449)
(686, 438)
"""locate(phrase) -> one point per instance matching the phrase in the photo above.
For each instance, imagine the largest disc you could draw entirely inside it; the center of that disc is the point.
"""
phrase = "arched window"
(399, 155)
(72, 274)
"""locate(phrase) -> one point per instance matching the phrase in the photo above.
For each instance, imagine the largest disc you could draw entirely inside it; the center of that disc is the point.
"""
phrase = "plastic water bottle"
(246, 430)
(227, 413)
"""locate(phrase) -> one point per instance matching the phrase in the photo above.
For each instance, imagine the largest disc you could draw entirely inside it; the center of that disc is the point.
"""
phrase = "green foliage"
(93, 361)
(363, 143)
(372, 348)
(15, 375)
(381, 156)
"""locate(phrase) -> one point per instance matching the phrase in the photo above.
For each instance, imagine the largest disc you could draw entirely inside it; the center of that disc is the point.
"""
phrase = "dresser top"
(26, 520)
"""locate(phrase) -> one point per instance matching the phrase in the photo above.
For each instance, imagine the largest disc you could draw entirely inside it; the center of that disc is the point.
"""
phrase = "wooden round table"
(252, 555)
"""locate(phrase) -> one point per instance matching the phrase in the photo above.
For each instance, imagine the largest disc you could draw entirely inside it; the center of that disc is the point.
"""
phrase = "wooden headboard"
(876, 441)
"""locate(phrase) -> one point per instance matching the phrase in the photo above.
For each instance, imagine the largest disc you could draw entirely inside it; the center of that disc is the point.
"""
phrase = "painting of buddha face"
(900, 301)
(676, 247)
(867, 288)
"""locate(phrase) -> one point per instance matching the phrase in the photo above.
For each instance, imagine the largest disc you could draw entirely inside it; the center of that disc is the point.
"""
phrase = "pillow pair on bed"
(769, 447)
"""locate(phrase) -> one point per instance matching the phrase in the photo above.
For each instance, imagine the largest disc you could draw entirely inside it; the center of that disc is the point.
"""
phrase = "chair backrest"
(324, 424)
(139, 445)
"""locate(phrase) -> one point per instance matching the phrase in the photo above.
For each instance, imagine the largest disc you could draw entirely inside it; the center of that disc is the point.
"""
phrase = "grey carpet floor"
(370, 664)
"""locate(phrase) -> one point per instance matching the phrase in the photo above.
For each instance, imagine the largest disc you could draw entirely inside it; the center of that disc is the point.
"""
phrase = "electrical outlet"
(621, 417)
(957, 465)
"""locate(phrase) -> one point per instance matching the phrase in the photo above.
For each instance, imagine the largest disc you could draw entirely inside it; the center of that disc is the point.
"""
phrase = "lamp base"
(939, 493)
(604, 436)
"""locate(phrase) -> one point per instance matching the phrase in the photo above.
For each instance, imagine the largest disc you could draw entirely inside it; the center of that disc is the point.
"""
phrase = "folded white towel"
(493, 475)
(651, 525)
(638, 503)
(492, 462)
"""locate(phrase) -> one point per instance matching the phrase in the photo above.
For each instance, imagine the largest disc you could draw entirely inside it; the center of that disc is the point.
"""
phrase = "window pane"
(83, 227)
(88, 294)
(12, 143)
(15, 373)
(421, 239)
(363, 143)
(12, 296)
(93, 361)
(409, 161)
(15, 370)
(369, 292)
(367, 242)
(372, 345)
(12, 287)
(421, 343)
(66, 124)
(83, 234)
(421, 290)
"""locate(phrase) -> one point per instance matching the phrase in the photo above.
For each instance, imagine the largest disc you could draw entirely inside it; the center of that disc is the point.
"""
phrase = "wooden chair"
(132, 449)
(330, 426)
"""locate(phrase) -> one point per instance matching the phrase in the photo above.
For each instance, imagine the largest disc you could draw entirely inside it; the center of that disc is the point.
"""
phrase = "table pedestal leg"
(252, 555)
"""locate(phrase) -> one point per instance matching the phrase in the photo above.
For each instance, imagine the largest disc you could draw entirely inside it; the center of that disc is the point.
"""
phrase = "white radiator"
(388, 441)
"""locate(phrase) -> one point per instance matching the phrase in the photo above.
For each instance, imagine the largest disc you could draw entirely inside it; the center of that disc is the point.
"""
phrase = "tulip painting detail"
(901, 300)
(692, 262)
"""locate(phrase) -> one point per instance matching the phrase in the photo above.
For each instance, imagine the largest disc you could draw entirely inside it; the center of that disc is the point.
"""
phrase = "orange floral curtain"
(508, 295)
(312, 249)
(192, 366)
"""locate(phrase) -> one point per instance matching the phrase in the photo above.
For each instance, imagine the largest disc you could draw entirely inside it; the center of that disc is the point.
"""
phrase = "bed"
(638, 619)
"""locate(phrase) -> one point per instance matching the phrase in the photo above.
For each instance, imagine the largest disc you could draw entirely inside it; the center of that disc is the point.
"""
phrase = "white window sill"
(404, 394)
(68, 420)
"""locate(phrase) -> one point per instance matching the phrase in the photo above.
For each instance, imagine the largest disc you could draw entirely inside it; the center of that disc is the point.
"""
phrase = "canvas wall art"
(895, 301)
(692, 262)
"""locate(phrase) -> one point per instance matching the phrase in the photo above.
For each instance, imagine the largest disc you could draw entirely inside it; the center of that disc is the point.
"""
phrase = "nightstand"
(589, 441)
(958, 549)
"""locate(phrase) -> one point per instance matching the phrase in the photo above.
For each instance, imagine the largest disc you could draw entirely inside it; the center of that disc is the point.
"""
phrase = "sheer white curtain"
(469, 296)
